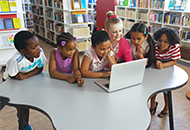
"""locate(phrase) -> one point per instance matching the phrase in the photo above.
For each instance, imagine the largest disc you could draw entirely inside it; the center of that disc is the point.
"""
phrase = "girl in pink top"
(65, 59)
(96, 58)
(121, 47)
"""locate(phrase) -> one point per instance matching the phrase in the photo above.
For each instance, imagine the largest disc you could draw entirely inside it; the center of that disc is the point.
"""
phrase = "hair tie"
(63, 43)
(97, 29)
(113, 16)
(75, 38)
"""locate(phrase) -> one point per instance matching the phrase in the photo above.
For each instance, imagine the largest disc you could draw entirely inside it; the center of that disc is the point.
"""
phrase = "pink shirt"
(124, 51)
(96, 64)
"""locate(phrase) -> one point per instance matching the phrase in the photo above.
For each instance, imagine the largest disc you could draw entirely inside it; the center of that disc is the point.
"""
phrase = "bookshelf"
(51, 17)
(92, 13)
(28, 18)
(7, 48)
(156, 17)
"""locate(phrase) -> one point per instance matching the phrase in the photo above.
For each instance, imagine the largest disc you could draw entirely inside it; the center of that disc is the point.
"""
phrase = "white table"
(89, 107)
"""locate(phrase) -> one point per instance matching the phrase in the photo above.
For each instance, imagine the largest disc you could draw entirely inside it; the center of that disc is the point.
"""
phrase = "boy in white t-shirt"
(27, 61)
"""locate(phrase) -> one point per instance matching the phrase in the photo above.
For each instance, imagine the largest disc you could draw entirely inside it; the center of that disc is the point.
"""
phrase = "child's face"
(33, 49)
(163, 43)
(68, 50)
(115, 32)
(137, 38)
(102, 49)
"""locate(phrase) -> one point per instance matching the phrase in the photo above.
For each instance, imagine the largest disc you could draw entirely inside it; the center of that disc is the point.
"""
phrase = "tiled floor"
(181, 107)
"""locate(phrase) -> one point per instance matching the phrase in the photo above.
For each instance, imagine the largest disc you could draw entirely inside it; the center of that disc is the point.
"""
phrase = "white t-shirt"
(96, 64)
(19, 63)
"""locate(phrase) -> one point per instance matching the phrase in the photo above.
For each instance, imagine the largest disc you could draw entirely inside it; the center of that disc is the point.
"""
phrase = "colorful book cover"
(8, 23)
(177, 4)
(80, 18)
(85, 17)
(74, 18)
(12, 5)
(183, 4)
(83, 4)
(2, 24)
(5, 6)
(121, 3)
(126, 2)
(171, 4)
(10, 39)
(16, 23)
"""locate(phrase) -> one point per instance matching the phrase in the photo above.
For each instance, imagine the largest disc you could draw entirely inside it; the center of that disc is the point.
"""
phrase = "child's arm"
(21, 76)
(90, 74)
(55, 74)
(76, 70)
(161, 65)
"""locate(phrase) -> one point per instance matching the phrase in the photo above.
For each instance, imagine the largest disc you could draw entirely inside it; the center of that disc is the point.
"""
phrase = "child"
(26, 62)
(142, 45)
(121, 47)
(65, 59)
(167, 53)
(96, 58)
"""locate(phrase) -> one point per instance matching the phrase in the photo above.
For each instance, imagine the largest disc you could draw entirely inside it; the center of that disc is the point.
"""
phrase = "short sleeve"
(88, 53)
(12, 68)
(43, 59)
(176, 52)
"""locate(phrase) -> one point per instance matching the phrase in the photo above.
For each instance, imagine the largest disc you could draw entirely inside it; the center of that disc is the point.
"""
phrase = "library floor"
(38, 121)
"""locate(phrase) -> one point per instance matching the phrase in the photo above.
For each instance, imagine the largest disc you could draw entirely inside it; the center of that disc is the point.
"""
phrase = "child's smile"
(163, 43)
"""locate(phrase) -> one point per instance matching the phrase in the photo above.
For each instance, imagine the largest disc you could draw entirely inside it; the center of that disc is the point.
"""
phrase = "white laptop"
(124, 75)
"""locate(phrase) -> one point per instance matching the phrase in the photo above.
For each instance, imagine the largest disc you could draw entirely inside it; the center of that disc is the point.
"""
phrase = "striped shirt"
(172, 53)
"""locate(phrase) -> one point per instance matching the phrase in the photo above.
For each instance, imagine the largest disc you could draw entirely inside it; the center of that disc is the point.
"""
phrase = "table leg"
(21, 118)
(170, 110)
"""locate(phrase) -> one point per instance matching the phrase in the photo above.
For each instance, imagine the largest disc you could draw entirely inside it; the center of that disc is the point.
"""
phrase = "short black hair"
(172, 35)
(99, 36)
(20, 39)
(65, 36)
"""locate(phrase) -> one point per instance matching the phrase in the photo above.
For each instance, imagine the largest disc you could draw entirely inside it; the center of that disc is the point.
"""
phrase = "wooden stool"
(188, 95)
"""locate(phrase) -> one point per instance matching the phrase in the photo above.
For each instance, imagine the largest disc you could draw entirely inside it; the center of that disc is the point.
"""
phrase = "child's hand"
(106, 74)
(80, 81)
(139, 49)
(159, 64)
(70, 79)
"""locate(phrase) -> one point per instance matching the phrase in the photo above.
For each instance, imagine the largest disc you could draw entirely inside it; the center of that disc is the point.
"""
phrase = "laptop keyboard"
(106, 85)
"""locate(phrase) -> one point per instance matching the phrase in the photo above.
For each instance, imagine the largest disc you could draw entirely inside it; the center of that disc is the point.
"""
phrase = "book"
(171, 4)
(10, 39)
(1, 24)
(80, 18)
(5, 6)
(183, 4)
(177, 4)
(8, 23)
(12, 5)
(85, 17)
(83, 4)
(121, 2)
(74, 18)
(76, 4)
(16, 23)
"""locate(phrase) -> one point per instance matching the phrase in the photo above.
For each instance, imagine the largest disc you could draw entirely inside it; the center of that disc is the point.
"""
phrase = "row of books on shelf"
(50, 35)
(92, 17)
(48, 3)
(178, 4)
(39, 21)
(143, 3)
(28, 15)
(156, 17)
(185, 35)
(38, 11)
(49, 14)
(130, 3)
(36, 2)
(152, 29)
(8, 6)
(26, 0)
(186, 21)
(58, 4)
(80, 31)
(27, 8)
(157, 4)
(142, 15)
(92, 1)
(29, 23)
(50, 25)
(59, 16)
(172, 18)
(79, 18)
(9, 23)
